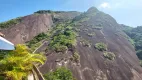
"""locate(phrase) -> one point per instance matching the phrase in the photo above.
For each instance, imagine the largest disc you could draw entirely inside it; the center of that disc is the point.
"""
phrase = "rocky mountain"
(23, 29)
(27, 28)
(91, 44)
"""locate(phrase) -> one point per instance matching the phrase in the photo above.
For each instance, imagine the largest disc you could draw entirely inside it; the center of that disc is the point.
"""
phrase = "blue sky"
(127, 12)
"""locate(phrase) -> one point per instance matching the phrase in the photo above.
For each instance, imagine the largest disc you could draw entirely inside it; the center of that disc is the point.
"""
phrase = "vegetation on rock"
(75, 57)
(10, 23)
(63, 38)
(44, 11)
(86, 15)
(47, 11)
(98, 27)
(85, 43)
(101, 46)
(141, 63)
(59, 74)
(91, 34)
(35, 42)
(76, 29)
(109, 55)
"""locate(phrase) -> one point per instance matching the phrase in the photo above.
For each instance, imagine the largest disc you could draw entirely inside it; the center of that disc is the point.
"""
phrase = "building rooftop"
(5, 44)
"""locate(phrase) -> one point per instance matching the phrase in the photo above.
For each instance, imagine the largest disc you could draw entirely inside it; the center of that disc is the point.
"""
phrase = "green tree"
(136, 35)
(59, 74)
(17, 64)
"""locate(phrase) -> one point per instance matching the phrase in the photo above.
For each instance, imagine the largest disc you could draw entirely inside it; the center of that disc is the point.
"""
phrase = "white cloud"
(120, 4)
(105, 5)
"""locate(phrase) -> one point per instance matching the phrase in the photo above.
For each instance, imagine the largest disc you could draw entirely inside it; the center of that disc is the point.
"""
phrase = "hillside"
(27, 28)
(136, 35)
(91, 44)
(23, 29)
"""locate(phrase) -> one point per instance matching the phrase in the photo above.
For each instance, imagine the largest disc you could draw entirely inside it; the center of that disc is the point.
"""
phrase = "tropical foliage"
(136, 35)
(59, 74)
(17, 64)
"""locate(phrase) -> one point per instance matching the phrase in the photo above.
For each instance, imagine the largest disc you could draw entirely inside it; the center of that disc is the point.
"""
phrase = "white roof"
(5, 44)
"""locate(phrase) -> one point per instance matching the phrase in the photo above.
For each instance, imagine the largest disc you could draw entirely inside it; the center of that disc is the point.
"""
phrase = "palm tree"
(18, 64)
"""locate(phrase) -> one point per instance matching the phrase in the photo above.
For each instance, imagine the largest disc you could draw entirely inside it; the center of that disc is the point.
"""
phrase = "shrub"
(69, 28)
(101, 46)
(76, 57)
(141, 63)
(60, 48)
(85, 43)
(59, 74)
(109, 55)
